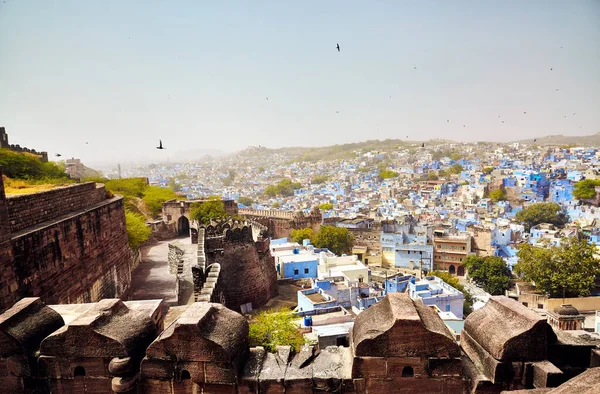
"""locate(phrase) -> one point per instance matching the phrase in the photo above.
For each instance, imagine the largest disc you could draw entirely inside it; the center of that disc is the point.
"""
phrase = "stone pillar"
(4, 223)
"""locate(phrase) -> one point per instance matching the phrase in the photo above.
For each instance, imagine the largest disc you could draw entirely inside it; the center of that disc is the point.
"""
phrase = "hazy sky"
(120, 74)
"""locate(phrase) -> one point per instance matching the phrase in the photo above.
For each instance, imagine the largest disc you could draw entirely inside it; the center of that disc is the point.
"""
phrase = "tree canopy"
(455, 169)
(585, 190)
(245, 201)
(542, 212)
(284, 188)
(337, 239)
(270, 329)
(319, 179)
(488, 170)
(569, 269)
(432, 176)
(206, 211)
(301, 234)
(491, 273)
(498, 195)
(18, 165)
(137, 231)
(154, 197)
(386, 174)
(326, 206)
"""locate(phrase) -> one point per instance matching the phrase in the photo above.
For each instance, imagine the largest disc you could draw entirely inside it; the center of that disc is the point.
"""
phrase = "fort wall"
(66, 245)
(31, 209)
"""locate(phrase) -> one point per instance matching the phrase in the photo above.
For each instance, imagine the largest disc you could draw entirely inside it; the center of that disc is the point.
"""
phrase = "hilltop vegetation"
(25, 166)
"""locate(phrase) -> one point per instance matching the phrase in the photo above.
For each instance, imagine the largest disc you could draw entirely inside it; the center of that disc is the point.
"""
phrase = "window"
(79, 371)
(447, 308)
(306, 270)
(525, 304)
(296, 272)
(408, 372)
(185, 374)
(463, 248)
(540, 306)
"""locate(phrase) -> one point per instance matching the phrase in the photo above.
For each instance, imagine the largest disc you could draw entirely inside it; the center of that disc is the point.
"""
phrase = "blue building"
(434, 291)
(407, 250)
(299, 266)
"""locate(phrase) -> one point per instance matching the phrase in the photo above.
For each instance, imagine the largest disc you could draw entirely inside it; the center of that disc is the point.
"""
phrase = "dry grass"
(14, 187)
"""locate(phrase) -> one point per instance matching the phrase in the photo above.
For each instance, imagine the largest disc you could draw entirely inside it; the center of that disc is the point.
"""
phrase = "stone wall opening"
(408, 372)
(452, 269)
(79, 371)
(183, 227)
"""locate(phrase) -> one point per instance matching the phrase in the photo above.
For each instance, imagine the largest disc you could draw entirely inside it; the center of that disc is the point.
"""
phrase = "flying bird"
(58, 155)
(267, 98)
(550, 68)
(464, 126)
(415, 68)
(557, 90)
(423, 145)
(502, 121)
(535, 139)
(447, 120)
(86, 142)
(338, 47)
(160, 145)
(574, 113)
(525, 112)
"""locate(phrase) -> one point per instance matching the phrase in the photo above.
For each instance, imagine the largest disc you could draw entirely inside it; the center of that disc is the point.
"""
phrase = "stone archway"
(460, 270)
(452, 269)
(183, 227)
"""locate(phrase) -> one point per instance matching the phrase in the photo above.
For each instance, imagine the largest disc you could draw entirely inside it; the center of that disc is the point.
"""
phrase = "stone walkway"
(151, 279)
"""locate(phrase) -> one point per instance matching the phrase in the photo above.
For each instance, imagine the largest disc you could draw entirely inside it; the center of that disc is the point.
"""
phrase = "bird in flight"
(550, 68)
(502, 121)
(525, 112)
(160, 145)
(447, 120)
(415, 67)
(464, 125)
(58, 155)
(267, 98)
(423, 145)
(338, 47)
(535, 139)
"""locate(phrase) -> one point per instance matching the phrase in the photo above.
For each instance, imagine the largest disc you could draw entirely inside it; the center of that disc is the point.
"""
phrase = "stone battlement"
(17, 148)
(397, 345)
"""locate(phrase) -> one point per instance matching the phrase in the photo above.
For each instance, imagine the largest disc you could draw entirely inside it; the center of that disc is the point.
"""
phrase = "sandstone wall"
(32, 209)
(82, 258)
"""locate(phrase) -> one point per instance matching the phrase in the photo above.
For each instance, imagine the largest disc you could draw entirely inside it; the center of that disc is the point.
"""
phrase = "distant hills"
(582, 140)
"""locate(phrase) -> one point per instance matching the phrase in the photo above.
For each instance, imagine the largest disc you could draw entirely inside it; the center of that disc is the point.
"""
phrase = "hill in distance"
(581, 140)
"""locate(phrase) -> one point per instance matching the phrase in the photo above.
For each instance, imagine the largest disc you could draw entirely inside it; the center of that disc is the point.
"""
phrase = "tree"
(490, 272)
(442, 174)
(319, 179)
(284, 188)
(455, 156)
(270, 329)
(300, 235)
(386, 174)
(337, 239)
(27, 166)
(488, 170)
(326, 206)
(154, 197)
(245, 201)
(276, 205)
(453, 281)
(585, 190)
(206, 211)
(543, 212)
(174, 185)
(432, 176)
(568, 270)
(498, 195)
(455, 169)
(137, 231)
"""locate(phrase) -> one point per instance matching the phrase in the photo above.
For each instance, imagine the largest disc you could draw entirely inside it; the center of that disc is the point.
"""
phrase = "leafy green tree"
(206, 211)
(453, 281)
(246, 201)
(284, 188)
(386, 174)
(17, 165)
(154, 197)
(137, 231)
(319, 179)
(490, 272)
(301, 234)
(432, 176)
(442, 174)
(270, 329)
(488, 170)
(455, 156)
(543, 212)
(498, 195)
(326, 206)
(261, 169)
(276, 205)
(455, 169)
(337, 239)
(585, 190)
(568, 270)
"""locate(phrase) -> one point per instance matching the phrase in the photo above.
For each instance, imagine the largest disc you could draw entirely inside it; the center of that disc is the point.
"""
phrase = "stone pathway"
(151, 279)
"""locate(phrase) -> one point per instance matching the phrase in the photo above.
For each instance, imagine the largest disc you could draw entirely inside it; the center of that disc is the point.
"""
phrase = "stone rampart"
(32, 209)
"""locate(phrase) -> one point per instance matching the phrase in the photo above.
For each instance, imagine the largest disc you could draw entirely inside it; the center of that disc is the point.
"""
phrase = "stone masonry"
(66, 245)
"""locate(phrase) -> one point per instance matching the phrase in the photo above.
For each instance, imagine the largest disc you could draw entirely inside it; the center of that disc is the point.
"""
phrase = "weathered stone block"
(546, 374)
(493, 369)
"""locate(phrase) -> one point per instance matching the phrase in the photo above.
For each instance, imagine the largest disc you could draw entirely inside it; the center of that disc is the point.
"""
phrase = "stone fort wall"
(17, 148)
(67, 245)
(31, 209)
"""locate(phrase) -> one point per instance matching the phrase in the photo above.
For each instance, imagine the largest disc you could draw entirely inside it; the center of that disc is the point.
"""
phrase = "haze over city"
(104, 81)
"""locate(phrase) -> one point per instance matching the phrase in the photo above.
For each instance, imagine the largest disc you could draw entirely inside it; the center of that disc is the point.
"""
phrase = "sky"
(105, 80)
